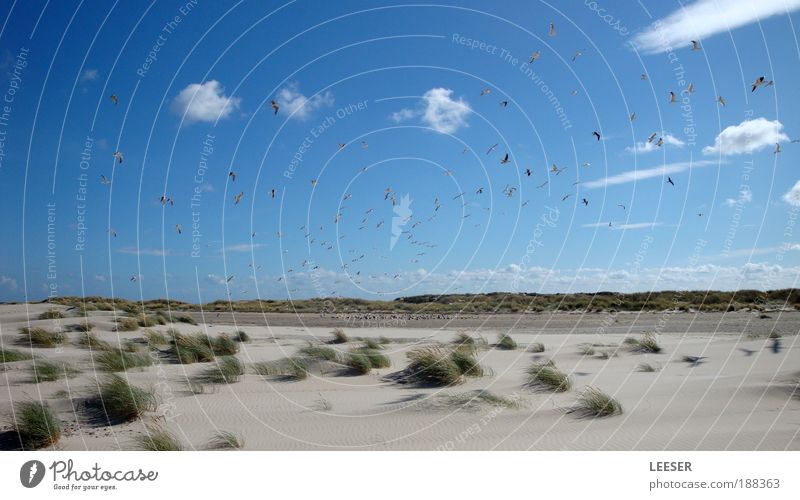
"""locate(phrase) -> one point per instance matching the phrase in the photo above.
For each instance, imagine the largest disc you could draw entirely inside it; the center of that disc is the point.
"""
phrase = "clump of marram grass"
(586, 349)
(505, 342)
(774, 335)
(241, 336)
(339, 337)
(536, 347)
(646, 368)
(648, 344)
(226, 370)
(607, 353)
(440, 365)
(118, 401)
(11, 355)
(288, 368)
(127, 325)
(321, 353)
(192, 348)
(90, 341)
(82, 327)
(464, 339)
(156, 439)
(36, 425)
(51, 314)
(39, 337)
(545, 377)
(153, 337)
(376, 358)
(50, 371)
(474, 400)
(225, 440)
(593, 402)
(119, 360)
(224, 345)
(359, 362)
(186, 319)
(372, 343)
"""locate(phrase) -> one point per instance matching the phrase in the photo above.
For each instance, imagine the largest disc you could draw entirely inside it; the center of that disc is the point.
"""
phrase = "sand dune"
(738, 398)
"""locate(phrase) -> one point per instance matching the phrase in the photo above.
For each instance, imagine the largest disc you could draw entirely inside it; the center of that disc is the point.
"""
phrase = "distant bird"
(232, 176)
(534, 57)
(364, 145)
(238, 198)
(694, 360)
(492, 148)
(578, 53)
(777, 148)
(690, 88)
(552, 30)
(672, 97)
(596, 134)
(112, 232)
(485, 91)
(660, 142)
(633, 116)
(643, 77)
(585, 202)
(652, 137)
(540, 186)
(669, 179)
(695, 45)
(229, 279)
(272, 193)
(275, 107)
(586, 164)
(479, 191)
(721, 100)
(528, 172)
(133, 278)
(342, 145)
(759, 82)
(118, 156)
(503, 104)
(504, 160)
(564, 198)
(178, 228)
(621, 206)
(313, 182)
(104, 180)
(114, 99)
(574, 92)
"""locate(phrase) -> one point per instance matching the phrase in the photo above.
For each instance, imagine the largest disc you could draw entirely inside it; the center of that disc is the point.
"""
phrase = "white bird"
(777, 148)
(652, 137)
(492, 148)
(633, 116)
(178, 228)
(695, 45)
(672, 97)
(237, 198)
(690, 88)
(534, 57)
(552, 30)
(119, 156)
(485, 91)
(104, 180)
(721, 100)
(114, 99)
(578, 53)
(759, 82)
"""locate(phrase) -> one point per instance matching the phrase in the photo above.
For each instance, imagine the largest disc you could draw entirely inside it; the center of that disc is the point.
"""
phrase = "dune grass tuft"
(82, 327)
(545, 377)
(288, 368)
(192, 348)
(474, 400)
(321, 352)
(158, 440)
(36, 425)
(441, 366)
(648, 344)
(227, 370)
(536, 347)
(339, 337)
(39, 337)
(153, 337)
(646, 368)
(119, 360)
(505, 342)
(51, 314)
(593, 402)
(586, 349)
(359, 362)
(127, 325)
(224, 345)
(376, 358)
(11, 355)
(372, 344)
(225, 440)
(118, 401)
(241, 336)
(90, 341)
(186, 319)
(50, 371)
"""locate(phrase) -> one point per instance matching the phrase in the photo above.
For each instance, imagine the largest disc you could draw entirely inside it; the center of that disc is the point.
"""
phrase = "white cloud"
(637, 175)
(704, 19)
(404, 114)
(792, 197)
(745, 196)
(291, 100)
(88, 75)
(9, 283)
(144, 251)
(647, 147)
(244, 247)
(204, 102)
(99, 277)
(216, 280)
(442, 113)
(747, 137)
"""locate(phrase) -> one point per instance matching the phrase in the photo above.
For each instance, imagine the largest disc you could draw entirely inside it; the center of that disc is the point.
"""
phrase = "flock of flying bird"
(390, 195)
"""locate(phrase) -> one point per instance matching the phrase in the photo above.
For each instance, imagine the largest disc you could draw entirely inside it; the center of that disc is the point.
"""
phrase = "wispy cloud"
(747, 137)
(745, 196)
(300, 107)
(647, 147)
(439, 111)
(144, 251)
(8, 283)
(792, 197)
(204, 102)
(88, 75)
(638, 175)
(704, 19)
(244, 247)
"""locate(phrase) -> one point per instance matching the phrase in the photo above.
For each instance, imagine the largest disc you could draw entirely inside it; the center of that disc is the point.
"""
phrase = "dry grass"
(593, 402)
(647, 344)
(39, 337)
(225, 440)
(50, 371)
(288, 368)
(545, 377)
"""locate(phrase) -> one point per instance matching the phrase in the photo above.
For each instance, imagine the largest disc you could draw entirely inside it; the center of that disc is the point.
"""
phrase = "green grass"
(51, 314)
(118, 401)
(586, 349)
(127, 325)
(227, 370)
(321, 352)
(39, 337)
(593, 402)
(241, 336)
(90, 341)
(11, 355)
(192, 348)
(441, 366)
(153, 337)
(289, 368)
(224, 440)
(158, 440)
(376, 358)
(186, 319)
(647, 344)
(545, 377)
(466, 362)
(36, 425)
(50, 371)
(646, 368)
(359, 362)
(372, 344)
(82, 327)
(607, 353)
(119, 360)
(224, 345)
(536, 347)
(339, 337)
(474, 400)
(505, 342)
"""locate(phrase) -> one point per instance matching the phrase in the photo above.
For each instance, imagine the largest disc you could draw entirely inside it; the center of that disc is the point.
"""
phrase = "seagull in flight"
(660, 142)
(565, 197)
(504, 160)
(114, 98)
(528, 172)
(275, 107)
(643, 77)
(585, 202)
(633, 116)
(695, 45)
(759, 82)
(272, 193)
(492, 148)
(504, 104)
(485, 91)
(621, 206)
(669, 179)
(178, 228)
(721, 100)
(540, 186)
(118, 156)
(232, 176)
(479, 191)
(552, 30)
(652, 137)
(578, 53)
(238, 198)
(672, 97)
(534, 57)
(690, 88)
(596, 134)
(777, 148)
(104, 180)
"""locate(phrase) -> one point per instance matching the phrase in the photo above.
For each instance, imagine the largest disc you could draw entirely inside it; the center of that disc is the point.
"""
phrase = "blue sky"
(401, 87)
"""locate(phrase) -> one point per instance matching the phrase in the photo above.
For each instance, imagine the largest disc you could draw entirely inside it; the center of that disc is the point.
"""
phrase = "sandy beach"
(738, 397)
